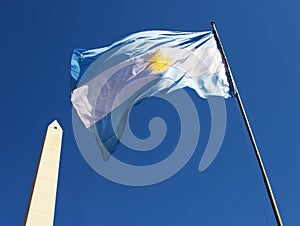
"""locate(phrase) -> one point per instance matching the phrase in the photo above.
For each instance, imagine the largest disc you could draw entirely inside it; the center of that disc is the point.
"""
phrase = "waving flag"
(108, 81)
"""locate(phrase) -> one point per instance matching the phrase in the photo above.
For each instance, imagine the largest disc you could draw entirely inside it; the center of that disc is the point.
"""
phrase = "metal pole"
(257, 154)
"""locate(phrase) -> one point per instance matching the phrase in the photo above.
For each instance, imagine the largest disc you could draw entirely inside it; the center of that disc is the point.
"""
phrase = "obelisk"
(41, 205)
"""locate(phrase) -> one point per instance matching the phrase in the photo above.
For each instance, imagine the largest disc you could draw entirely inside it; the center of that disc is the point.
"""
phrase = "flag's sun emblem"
(159, 63)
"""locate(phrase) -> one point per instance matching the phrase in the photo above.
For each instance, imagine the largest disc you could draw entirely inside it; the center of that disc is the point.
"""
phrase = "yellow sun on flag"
(159, 63)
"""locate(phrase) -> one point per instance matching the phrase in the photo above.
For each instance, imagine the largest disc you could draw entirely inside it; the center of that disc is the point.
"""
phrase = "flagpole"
(257, 154)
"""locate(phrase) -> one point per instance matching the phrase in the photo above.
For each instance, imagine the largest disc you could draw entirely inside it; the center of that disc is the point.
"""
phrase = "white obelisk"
(41, 206)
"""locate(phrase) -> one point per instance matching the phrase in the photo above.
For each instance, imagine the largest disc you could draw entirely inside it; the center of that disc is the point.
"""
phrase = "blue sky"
(260, 39)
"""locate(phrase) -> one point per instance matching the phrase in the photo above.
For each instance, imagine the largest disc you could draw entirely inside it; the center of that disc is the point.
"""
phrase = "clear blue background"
(261, 42)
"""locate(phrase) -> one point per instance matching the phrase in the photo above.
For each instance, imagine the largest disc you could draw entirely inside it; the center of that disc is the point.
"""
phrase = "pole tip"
(212, 23)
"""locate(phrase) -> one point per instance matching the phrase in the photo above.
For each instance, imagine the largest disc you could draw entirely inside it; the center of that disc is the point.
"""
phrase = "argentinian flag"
(109, 81)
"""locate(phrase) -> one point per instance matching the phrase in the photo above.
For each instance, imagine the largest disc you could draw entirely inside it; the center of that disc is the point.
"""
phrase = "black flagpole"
(258, 158)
